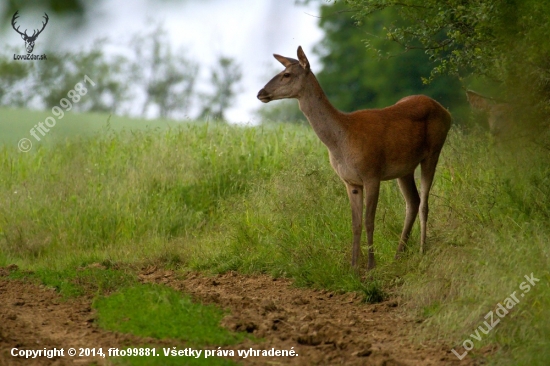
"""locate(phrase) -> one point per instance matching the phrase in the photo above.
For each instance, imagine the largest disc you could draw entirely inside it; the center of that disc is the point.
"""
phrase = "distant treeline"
(146, 78)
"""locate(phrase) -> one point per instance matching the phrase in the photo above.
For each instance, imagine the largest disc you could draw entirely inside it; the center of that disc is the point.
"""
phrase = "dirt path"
(323, 328)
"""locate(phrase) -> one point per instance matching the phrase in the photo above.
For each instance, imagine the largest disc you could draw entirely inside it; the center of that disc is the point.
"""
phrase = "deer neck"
(325, 120)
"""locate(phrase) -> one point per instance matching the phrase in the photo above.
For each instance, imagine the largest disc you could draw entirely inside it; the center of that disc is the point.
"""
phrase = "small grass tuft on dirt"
(373, 292)
(157, 311)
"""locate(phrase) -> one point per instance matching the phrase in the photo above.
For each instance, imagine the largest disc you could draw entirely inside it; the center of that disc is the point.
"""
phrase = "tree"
(55, 78)
(502, 41)
(76, 8)
(363, 69)
(110, 74)
(224, 78)
(167, 79)
(13, 77)
(44, 84)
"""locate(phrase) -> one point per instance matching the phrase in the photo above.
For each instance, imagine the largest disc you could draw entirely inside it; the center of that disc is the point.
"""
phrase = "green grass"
(71, 282)
(16, 124)
(265, 200)
(160, 312)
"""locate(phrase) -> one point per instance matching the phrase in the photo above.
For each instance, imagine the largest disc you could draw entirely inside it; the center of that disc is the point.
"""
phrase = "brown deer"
(368, 146)
(499, 114)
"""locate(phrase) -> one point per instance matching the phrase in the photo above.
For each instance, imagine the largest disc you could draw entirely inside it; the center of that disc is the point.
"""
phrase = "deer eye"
(286, 75)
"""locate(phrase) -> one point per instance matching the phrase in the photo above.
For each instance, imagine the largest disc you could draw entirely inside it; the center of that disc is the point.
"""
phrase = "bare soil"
(323, 328)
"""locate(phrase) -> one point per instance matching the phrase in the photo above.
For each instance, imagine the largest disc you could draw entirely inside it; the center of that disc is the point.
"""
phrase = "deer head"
(288, 83)
(29, 40)
(499, 115)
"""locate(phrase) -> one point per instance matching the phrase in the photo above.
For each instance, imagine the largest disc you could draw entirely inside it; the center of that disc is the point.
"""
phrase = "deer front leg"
(355, 194)
(372, 189)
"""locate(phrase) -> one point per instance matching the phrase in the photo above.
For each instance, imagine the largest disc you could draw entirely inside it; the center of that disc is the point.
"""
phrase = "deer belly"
(399, 170)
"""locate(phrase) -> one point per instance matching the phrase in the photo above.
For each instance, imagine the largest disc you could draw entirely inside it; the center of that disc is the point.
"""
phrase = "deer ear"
(285, 61)
(303, 59)
(477, 101)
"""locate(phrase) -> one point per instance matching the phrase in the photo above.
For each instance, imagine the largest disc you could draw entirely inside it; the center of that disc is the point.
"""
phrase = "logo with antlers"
(29, 40)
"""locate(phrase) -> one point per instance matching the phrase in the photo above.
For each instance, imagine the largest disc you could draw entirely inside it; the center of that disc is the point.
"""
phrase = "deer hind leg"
(355, 194)
(410, 194)
(428, 166)
(372, 190)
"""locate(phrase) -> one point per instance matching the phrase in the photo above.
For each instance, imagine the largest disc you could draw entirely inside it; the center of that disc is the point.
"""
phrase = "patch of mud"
(35, 317)
(323, 328)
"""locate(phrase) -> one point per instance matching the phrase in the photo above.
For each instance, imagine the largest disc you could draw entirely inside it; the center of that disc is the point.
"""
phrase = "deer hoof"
(371, 264)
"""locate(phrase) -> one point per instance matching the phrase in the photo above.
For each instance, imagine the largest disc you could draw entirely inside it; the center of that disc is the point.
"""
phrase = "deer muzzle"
(264, 96)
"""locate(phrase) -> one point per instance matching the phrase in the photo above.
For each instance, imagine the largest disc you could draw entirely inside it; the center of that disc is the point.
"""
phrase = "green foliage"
(452, 33)
(167, 77)
(504, 41)
(11, 75)
(363, 69)
(60, 7)
(53, 79)
(224, 78)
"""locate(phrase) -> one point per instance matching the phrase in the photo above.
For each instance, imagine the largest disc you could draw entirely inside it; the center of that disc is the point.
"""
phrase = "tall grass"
(492, 217)
(264, 199)
(128, 195)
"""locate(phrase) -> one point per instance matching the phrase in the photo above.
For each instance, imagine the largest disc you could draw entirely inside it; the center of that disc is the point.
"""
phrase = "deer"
(499, 114)
(29, 40)
(369, 146)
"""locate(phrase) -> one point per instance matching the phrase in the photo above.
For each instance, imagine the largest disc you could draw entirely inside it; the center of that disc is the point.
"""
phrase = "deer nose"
(263, 96)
